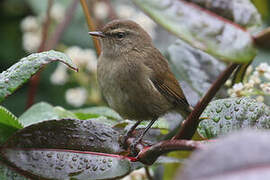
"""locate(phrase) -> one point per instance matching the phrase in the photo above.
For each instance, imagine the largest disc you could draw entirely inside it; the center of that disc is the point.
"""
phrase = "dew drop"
(236, 108)
(49, 155)
(102, 168)
(95, 168)
(227, 104)
(228, 117)
(238, 101)
(219, 109)
(104, 161)
(216, 119)
(74, 158)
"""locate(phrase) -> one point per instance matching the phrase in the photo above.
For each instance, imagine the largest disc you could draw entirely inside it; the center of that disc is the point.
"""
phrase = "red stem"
(190, 125)
(34, 81)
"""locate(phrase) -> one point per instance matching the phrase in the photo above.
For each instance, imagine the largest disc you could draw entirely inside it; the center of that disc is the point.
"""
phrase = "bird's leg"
(130, 131)
(138, 140)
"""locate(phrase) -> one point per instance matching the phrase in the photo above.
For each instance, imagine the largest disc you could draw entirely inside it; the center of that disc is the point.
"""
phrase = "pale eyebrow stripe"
(122, 30)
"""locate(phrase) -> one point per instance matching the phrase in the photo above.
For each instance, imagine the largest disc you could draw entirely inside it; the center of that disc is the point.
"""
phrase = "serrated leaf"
(7, 173)
(19, 73)
(9, 124)
(7, 118)
(68, 164)
(201, 29)
(43, 111)
(226, 115)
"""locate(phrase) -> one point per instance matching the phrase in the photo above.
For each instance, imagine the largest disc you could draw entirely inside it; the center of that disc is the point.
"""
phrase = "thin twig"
(91, 25)
(190, 125)
(148, 175)
(51, 44)
(148, 155)
(263, 38)
(34, 81)
(112, 13)
(55, 38)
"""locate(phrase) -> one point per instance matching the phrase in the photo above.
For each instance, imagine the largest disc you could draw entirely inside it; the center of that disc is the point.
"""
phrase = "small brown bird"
(134, 76)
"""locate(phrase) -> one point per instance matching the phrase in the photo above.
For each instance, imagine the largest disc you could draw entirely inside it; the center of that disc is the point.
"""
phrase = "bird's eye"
(120, 35)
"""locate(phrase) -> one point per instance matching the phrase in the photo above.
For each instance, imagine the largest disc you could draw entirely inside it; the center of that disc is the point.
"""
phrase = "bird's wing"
(164, 80)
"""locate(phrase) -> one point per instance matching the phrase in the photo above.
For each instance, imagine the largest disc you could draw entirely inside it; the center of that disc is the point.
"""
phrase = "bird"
(134, 77)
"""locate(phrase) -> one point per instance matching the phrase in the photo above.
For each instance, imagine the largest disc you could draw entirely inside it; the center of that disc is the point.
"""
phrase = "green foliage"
(20, 72)
(8, 124)
(227, 115)
(93, 112)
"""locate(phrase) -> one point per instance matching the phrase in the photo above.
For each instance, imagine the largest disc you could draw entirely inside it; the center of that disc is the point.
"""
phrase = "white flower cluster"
(76, 96)
(31, 33)
(83, 57)
(31, 27)
(257, 83)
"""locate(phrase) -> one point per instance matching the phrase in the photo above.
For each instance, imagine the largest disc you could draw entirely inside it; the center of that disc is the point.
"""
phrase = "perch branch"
(149, 154)
(190, 125)
(263, 38)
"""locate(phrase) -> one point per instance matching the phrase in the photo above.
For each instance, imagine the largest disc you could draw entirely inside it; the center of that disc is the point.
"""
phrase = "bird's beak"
(97, 33)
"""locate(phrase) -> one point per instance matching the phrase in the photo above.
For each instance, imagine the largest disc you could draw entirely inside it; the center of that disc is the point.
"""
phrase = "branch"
(263, 38)
(149, 154)
(34, 81)
(55, 38)
(91, 25)
(190, 125)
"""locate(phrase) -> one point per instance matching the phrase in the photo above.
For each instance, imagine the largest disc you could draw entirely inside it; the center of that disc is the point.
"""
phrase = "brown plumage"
(134, 76)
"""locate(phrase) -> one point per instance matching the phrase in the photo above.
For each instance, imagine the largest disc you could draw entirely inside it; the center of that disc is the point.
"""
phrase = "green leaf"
(19, 73)
(201, 29)
(7, 173)
(68, 149)
(9, 124)
(94, 112)
(43, 111)
(226, 115)
(85, 135)
(38, 113)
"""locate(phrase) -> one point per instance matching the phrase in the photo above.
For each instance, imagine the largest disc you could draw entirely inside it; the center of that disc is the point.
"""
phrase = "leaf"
(226, 115)
(85, 135)
(68, 164)
(67, 149)
(242, 155)
(242, 12)
(9, 124)
(7, 173)
(201, 29)
(94, 112)
(43, 111)
(194, 67)
(19, 73)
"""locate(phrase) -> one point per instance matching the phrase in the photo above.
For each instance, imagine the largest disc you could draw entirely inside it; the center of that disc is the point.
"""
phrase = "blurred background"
(21, 34)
